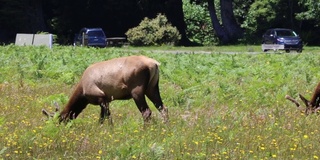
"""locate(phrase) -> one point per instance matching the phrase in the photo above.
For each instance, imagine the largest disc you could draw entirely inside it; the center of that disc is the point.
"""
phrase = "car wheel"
(288, 50)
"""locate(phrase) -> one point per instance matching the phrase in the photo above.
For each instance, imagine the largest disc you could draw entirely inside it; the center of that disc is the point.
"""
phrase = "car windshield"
(95, 34)
(283, 33)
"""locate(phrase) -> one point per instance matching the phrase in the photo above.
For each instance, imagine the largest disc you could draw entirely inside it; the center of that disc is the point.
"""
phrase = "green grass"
(221, 106)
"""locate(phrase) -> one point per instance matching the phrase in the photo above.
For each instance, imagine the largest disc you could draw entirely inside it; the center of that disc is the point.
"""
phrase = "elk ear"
(305, 101)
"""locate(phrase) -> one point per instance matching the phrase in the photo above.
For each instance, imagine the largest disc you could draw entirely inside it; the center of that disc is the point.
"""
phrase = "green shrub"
(199, 26)
(155, 31)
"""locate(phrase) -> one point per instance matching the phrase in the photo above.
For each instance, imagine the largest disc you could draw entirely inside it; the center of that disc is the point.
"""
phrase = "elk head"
(51, 114)
(309, 107)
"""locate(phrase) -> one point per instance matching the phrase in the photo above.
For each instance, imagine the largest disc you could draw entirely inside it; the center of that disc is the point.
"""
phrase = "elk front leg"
(105, 112)
(154, 95)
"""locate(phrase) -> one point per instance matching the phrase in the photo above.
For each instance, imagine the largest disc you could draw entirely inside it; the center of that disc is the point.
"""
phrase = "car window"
(270, 32)
(95, 34)
(285, 33)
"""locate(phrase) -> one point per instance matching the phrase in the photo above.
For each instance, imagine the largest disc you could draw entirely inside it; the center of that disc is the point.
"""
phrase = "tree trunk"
(229, 21)
(35, 15)
(174, 13)
(220, 31)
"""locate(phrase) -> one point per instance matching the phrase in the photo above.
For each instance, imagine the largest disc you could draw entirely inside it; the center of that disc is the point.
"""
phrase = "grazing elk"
(312, 106)
(117, 79)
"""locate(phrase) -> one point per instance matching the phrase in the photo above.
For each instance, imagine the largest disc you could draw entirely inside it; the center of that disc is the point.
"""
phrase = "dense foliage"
(222, 105)
(264, 14)
(199, 27)
(151, 32)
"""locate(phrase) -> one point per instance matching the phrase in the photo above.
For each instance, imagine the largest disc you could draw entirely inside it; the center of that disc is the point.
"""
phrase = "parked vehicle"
(94, 37)
(282, 36)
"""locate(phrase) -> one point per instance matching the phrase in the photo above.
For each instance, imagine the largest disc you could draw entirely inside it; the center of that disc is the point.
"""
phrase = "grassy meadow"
(221, 106)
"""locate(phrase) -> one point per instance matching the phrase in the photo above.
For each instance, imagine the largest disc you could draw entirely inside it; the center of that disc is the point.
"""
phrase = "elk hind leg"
(142, 105)
(154, 95)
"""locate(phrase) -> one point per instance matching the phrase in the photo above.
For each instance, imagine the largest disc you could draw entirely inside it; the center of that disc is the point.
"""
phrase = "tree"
(310, 20)
(259, 18)
(22, 16)
(311, 12)
(299, 15)
(199, 27)
(228, 31)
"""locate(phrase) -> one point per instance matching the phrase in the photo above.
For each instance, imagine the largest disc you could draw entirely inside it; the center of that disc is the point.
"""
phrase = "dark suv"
(94, 37)
(282, 36)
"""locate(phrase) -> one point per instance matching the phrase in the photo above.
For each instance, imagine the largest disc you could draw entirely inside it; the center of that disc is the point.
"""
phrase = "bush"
(155, 31)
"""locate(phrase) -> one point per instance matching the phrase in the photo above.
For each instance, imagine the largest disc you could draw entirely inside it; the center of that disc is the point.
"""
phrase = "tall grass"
(221, 106)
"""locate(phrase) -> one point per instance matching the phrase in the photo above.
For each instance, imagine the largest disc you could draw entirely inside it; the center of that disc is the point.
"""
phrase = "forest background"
(200, 22)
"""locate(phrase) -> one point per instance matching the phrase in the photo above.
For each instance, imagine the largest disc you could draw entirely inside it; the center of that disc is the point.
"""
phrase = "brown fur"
(117, 79)
(315, 100)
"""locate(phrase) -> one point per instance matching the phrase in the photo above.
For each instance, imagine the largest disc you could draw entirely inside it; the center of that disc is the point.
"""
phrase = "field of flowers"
(221, 106)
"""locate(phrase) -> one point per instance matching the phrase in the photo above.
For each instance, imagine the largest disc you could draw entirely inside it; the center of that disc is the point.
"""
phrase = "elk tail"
(154, 73)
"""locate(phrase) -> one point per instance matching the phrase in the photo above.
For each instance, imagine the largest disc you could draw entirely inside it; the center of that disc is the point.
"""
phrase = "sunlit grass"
(220, 107)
